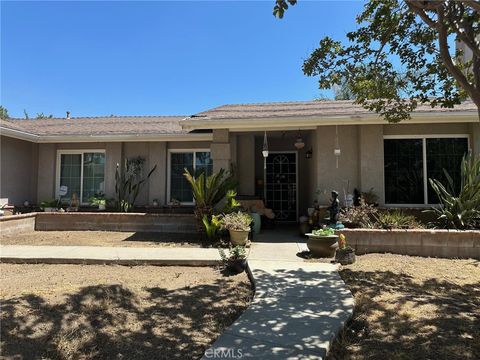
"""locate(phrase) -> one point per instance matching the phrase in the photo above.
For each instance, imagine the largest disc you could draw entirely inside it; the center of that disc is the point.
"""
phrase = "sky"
(96, 58)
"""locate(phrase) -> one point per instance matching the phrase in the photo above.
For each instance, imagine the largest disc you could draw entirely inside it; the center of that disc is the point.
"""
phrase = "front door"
(281, 185)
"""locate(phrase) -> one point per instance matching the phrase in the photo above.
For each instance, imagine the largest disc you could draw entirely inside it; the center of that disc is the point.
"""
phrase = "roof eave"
(23, 135)
(308, 122)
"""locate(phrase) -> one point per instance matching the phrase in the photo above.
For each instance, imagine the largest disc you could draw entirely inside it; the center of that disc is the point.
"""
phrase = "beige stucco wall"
(370, 157)
(246, 164)
(18, 179)
(328, 177)
(475, 138)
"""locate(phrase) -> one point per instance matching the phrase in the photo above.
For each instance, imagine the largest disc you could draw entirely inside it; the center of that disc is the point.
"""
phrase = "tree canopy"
(3, 113)
(400, 55)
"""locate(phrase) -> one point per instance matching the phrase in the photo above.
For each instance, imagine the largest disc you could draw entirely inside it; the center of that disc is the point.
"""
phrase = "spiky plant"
(459, 209)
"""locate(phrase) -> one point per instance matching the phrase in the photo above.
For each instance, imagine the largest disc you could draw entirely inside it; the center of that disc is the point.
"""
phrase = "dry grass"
(115, 312)
(412, 308)
(101, 238)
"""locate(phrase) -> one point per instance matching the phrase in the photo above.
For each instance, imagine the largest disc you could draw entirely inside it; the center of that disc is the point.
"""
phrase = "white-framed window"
(82, 172)
(195, 161)
(410, 160)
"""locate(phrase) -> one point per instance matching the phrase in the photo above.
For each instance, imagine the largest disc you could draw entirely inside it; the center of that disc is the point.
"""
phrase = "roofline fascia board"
(102, 138)
(281, 122)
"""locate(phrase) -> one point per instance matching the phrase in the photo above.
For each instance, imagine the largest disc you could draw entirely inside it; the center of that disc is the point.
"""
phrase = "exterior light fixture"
(265, 146)
(299, 144)
(337, 150)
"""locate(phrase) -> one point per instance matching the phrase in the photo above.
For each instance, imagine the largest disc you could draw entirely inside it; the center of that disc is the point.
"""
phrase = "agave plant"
(459, 210)
(208, 192)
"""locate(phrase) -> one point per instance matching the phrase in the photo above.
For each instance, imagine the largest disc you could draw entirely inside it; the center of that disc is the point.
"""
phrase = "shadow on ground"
(400, 317)
(112, 322)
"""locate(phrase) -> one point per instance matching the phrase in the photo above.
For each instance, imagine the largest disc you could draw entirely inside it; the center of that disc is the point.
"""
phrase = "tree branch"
(421, 12)
(445, 54)
(474, 4)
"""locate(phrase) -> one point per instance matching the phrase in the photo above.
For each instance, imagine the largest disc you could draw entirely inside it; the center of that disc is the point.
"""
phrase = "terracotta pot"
(322, 246)
(238, 237)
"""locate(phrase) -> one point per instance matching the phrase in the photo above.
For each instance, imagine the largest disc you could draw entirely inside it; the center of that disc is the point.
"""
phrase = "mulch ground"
(115, 312)
(101, 238)
(411, 308)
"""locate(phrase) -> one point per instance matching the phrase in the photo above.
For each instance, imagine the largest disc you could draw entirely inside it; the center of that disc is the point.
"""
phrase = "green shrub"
(238, 221)
(236, 253)
(395, 219)
(459, 210)
(212, 226)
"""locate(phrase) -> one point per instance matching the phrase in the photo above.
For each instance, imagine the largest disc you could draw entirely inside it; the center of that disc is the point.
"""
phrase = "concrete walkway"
(298, 306)
(109, 255)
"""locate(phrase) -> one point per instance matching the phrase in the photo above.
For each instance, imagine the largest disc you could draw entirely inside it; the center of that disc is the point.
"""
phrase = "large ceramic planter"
(257, 223)
(238, 237)
(322, 246)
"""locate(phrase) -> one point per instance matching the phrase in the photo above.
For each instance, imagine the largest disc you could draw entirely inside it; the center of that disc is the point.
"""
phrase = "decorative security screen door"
(281, 185)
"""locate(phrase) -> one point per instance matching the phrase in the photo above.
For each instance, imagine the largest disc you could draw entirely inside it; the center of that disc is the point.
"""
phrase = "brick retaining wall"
(168, 223)
(432, 243)
(16, 224)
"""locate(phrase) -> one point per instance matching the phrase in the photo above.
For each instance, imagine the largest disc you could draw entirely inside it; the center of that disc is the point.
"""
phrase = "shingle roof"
(111, 125)
(308, 109)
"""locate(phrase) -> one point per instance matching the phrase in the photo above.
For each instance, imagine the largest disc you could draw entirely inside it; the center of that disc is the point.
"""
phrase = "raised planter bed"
(418, 242)
(100, 221)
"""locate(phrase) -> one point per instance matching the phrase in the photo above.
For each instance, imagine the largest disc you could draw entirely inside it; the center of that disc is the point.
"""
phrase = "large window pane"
(444, 154)
(93, 175)
(70, 170)
(403, 171)
(203, 163)
(179, 187)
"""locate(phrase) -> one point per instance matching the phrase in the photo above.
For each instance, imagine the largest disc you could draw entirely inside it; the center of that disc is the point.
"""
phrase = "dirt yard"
(115, 312)
(101, 238)
(412, 308)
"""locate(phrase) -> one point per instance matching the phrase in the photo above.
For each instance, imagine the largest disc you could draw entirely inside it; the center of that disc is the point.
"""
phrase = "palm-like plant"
(209, 191)
(462, 210)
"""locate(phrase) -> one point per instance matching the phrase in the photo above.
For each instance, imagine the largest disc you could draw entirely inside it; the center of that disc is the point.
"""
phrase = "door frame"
(296, 178)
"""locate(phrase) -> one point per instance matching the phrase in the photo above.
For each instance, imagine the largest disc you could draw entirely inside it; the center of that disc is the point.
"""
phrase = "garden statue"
(74, 202)
(334, 208)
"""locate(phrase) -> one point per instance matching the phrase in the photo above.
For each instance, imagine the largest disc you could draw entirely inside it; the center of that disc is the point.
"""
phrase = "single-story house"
(313, 147)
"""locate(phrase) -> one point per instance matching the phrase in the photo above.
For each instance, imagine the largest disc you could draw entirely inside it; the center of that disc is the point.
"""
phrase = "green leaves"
(281, 6)
(393, 60)
(208, 193)
(462, 210)
(128, 185)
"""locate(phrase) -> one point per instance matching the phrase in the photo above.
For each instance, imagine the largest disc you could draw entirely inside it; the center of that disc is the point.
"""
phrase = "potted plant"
(49, 205)
(98, 201)
(236, 260)
(322, 243)
(345, 254)
(238, 225)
